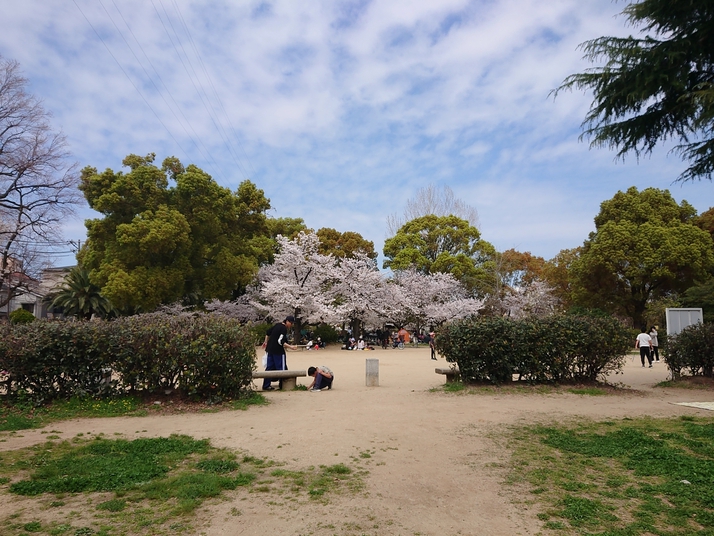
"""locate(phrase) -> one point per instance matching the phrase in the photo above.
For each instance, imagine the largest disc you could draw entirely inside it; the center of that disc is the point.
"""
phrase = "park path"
(434, 460)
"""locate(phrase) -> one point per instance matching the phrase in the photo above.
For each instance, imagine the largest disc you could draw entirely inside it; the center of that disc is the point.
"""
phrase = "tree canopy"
(645, 247)
(656, 87)
(442, 244)
(157, 244)
(344, 245)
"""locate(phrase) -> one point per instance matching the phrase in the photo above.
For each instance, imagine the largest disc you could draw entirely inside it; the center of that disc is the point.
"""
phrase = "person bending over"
(321, 378)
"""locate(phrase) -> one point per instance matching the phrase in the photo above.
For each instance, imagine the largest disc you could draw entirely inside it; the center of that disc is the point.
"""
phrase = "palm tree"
(79, 297)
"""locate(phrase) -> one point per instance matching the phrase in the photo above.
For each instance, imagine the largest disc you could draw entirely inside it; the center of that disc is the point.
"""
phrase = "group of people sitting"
(352, 344)
(315, 345)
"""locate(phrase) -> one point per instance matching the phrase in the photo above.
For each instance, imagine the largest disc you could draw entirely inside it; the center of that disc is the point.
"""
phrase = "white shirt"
(644, 340)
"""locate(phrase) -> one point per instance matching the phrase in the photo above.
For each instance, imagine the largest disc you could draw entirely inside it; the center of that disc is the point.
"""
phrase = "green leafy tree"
(645, 247)
(700, 295)
(287, 227)
(706, 221)
(346, 244)
(79, 297)
(443, 244)
(656, 87)
(191, 241)
(556, 272)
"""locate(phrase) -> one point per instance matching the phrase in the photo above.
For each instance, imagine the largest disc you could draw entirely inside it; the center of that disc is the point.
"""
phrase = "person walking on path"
(276, 339)
(321, 378)
(655, 342)
(644, 343)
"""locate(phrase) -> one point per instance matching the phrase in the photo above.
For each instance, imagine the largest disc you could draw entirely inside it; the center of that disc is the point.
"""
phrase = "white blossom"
(533, 300)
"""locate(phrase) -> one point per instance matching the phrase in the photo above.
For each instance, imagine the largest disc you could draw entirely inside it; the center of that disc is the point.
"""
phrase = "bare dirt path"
(434, 467)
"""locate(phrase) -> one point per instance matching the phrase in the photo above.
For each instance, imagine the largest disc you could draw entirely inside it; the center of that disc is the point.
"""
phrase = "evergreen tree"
(656, 87)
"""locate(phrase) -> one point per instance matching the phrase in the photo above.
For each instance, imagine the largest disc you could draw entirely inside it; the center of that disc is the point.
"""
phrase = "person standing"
(655, 342)
(644, 343)
(432, 344)
(276, 339)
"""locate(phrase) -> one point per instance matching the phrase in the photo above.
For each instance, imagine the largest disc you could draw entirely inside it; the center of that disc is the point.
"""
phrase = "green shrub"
(57, 359)
(21, 316)
(692, 351)
(206, 356)
(556, 348)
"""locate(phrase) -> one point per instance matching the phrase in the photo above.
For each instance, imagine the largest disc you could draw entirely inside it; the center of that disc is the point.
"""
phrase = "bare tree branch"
(433, 200)
(38, 186)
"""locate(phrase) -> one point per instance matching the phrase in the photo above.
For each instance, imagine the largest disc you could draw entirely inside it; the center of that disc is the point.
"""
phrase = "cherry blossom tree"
(537, 299)
(317, 288)
(430, 299)
(241, 309)
(299, 282)
(361, 294)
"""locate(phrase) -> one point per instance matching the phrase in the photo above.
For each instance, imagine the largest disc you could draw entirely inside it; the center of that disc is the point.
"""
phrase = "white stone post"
(372, 372)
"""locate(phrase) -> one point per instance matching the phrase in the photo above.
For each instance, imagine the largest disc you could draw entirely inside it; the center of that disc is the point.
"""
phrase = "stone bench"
(449, 372)
(288, 377)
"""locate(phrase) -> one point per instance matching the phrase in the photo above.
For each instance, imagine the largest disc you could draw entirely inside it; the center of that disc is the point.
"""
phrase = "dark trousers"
(655, 352)
(275, 362)
(645, 352)
(323, 382)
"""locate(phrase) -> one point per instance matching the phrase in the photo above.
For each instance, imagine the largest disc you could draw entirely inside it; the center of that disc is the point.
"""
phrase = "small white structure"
(678, 319)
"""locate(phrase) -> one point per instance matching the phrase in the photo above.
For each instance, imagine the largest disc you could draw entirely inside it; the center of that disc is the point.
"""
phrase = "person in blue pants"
(276, 340)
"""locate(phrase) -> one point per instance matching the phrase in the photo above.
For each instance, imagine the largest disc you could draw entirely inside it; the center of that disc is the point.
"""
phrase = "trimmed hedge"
(556, 348)
(205, 356)
(692, 351)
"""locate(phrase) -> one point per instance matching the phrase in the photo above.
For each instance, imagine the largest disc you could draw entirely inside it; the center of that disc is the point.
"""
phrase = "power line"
(194, 80)
(193, 139)
(130, 80)
(210, 80)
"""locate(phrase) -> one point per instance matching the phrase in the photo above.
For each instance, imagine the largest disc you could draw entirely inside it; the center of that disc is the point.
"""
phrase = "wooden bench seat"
(288, 377)
(449, 372)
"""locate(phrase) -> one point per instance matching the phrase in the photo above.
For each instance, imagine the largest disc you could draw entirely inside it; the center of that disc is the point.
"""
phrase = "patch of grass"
(588, 391)
(114, 505)
(33, 526)
(217, 466)
(20, 415)
(12, 422)
(454, 387)
(632, 477)
(105, 465)
(689, 382)
(156, 483)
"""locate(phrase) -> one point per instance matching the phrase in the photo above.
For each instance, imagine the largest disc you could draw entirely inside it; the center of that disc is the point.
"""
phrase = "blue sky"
(341, 111)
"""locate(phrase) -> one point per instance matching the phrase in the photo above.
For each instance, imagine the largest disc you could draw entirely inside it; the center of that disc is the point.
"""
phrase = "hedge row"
(691, 351)
(557, 348)
(201, 355)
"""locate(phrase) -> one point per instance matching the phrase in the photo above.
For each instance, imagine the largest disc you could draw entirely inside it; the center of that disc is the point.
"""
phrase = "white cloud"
(340, 111)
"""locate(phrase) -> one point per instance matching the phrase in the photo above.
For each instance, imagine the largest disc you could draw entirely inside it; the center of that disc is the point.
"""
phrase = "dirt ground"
(434, 461)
